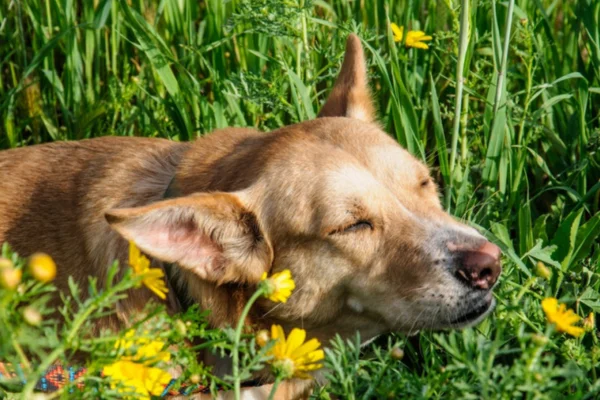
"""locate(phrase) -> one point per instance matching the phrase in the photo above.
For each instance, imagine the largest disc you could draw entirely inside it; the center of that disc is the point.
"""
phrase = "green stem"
(502, 72)
(20, 353)
(274, 388)
(237, 382)
(462, 55)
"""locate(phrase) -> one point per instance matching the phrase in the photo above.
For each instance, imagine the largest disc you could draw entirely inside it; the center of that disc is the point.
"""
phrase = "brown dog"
(355, 218)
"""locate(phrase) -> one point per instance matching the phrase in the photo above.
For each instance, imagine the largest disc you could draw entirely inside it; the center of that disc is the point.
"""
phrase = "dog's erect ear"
(213, 235)
(350, 96)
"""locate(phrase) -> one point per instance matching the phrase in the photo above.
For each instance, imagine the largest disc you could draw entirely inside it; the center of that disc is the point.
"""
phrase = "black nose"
(480, 268)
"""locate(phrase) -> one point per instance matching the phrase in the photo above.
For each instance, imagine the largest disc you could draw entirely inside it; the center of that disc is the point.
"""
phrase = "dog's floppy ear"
(211, 234)
(350, 96)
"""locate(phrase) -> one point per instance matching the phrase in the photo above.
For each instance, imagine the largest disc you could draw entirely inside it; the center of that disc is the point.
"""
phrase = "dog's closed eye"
(355, 227)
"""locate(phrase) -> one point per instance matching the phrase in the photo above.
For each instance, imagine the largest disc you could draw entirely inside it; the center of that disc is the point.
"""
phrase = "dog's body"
(335, 200)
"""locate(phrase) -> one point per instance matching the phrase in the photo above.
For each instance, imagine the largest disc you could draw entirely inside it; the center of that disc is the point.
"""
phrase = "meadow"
(503, 105)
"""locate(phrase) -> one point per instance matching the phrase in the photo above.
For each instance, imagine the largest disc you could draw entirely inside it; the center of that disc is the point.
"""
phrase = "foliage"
(503, 106)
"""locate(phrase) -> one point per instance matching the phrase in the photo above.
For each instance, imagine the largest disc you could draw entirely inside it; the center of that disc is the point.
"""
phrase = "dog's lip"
(477, 312)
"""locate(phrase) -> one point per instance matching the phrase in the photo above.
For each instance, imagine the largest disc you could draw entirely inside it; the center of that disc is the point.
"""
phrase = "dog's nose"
(480, 268)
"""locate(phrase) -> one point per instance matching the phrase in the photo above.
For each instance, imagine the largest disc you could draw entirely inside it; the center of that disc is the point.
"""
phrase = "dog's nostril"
(480, 268)
(486, 272)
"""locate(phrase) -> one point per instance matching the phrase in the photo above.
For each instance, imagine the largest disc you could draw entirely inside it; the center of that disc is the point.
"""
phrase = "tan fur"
(248, 202)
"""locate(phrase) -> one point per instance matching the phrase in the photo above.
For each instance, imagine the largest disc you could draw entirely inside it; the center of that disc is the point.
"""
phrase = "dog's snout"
(480, 268)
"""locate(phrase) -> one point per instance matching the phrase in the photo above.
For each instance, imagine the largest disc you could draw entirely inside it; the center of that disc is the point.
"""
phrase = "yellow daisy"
(279, 286)
(293, 357)
(132, 371)
(416, 38)
(562, 318)
(152, 278)
(413, 38)
(148, 350)
(136, 378)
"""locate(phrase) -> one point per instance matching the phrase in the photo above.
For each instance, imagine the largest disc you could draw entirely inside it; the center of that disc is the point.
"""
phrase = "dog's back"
(54, 195)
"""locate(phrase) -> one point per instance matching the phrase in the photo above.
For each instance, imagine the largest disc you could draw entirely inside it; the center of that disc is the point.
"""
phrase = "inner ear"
(350, 96)
(212, 235)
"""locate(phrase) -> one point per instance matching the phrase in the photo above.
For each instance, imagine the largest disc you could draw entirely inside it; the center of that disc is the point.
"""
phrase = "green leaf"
(440, 139)
(591, 298)
(543, 254)
(586, 237)
(565, 237)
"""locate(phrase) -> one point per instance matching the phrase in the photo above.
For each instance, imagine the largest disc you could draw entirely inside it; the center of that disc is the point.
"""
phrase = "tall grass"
(504, 107)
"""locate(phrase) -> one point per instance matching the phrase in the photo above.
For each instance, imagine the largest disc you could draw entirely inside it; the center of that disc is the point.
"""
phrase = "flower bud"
(180, 327)
(542, 271)
(262, 337)
(397, 353)
(10, 278)
(589, 323)
(5, 263)
(32, 316)
(540, 340)
(42, 267)
(195, 379)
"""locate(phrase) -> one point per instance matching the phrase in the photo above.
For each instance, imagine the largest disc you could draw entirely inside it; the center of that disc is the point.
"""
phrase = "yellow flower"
(413, 38)
(137, 378)
(293, 357)
(133, 372)
(416, 38)
(562, 318)
(152, 278)
(279, 286)
(147, 350)
(42, 267)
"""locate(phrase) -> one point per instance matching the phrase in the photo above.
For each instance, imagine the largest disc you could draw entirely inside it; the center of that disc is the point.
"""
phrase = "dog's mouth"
(477, 313)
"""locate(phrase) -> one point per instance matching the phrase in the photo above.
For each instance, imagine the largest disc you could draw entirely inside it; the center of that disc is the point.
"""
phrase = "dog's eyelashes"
(355, 227)
(360, 225)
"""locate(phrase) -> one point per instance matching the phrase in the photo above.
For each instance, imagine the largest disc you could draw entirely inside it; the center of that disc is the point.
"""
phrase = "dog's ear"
(211, 234)
(350, 96)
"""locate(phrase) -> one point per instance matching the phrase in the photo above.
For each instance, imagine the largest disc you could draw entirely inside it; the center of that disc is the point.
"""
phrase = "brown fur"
(355, 218)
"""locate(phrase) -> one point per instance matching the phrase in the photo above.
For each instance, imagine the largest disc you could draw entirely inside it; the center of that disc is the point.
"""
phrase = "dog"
(337, 201)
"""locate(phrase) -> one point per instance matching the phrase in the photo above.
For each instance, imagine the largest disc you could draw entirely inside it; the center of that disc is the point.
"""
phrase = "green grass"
(514, 144)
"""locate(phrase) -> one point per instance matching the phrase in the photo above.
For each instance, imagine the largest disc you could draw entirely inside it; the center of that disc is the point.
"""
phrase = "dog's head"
(355, 218)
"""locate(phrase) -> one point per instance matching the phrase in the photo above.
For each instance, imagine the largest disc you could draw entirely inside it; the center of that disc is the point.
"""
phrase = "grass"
(504, 107)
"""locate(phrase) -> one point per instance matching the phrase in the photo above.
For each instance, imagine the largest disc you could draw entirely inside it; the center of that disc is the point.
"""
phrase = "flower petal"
(415, 34)
(549, 305)
(419, 45)
(398, 32)
(310, 346)
(295, 340)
